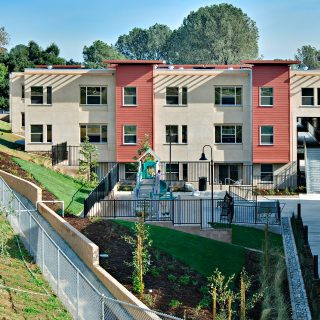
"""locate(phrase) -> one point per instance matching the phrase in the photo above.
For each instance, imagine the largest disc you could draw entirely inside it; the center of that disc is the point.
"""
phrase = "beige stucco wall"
(200, 115)
(299, 80)
(17, 104)
(66, 114)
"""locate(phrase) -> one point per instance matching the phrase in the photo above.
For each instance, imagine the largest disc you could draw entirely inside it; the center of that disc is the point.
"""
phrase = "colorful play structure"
(149, 184)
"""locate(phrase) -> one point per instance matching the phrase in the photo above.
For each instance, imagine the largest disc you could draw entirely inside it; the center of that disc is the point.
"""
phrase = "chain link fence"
(78, 295)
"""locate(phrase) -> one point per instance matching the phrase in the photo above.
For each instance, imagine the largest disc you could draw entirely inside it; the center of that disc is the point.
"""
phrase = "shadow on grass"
(11, 145)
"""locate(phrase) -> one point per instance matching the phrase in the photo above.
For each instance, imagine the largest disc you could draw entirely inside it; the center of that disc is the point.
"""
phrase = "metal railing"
(102, 190)
(240, 193)
(280, 181)
(188, 211)
(76, 292)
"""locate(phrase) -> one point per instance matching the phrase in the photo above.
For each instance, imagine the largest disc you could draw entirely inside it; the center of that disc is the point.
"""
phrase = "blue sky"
(284, 25)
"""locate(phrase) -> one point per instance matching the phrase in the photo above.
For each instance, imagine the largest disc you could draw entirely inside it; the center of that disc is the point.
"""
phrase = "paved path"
(310, 212)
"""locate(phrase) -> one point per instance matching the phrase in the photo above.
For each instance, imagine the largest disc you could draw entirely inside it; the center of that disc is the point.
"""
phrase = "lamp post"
(204, 158)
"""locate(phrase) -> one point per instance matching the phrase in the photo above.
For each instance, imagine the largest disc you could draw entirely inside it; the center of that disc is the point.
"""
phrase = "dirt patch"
(168, 280)
(6, 164)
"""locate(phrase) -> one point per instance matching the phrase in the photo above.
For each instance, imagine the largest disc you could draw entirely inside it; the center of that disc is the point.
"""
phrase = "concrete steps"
(313, 170)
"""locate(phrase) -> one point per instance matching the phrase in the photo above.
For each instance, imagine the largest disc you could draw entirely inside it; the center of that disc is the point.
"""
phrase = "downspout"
(251, 124)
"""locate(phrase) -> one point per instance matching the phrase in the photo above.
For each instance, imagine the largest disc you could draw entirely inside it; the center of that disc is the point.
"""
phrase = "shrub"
(175, 303)
(172, 277)
(184, 280)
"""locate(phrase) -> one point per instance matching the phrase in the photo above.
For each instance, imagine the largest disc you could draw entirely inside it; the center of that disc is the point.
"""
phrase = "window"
(266, 96)
(93, 95)
(184, 134)
(129, 134)
(307, 96)
(49, 95)
(172, 95)
(23, 119)
(228, 134)
(95, 132)
(318, 96)
(266, 135)
(228, 96)
(36, 133)
(172, 171)
(266, 173)
(185, 172)
(36, 95)
(174, 131)
(22, 91)
(49, 133)
(130, 171)
(130, 96)
(184, 95)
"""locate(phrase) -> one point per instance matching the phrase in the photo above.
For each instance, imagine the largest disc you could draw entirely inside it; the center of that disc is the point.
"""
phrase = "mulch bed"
(6, 164)
(109, 236)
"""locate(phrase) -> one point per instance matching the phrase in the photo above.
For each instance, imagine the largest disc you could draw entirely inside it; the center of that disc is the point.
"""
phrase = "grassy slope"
(13, 273)
(201, 254)
(63, 187)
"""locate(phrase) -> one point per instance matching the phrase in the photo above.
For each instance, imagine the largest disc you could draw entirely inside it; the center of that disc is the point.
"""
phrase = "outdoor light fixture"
(204, 158)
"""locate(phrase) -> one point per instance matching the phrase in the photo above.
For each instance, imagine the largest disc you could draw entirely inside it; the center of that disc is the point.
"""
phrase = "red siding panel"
(277, 77)
(141, 77)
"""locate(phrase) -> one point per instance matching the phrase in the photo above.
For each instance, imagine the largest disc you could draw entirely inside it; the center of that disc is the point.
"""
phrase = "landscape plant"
(88, 161)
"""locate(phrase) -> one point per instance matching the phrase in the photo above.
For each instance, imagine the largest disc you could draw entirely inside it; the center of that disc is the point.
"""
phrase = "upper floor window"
(318, 96)
(266, 135)
(93, 95)
(130, 134)
(36, 95)
(49, 95)
(95, 132)
(228, 96)
(129, 96)
(173, 132)
(266, 97)
(173, 96)
(22, 91)
(228, 134)
(307, 96)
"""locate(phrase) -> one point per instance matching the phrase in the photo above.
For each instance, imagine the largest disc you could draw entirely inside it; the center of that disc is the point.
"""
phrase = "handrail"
(305, 161)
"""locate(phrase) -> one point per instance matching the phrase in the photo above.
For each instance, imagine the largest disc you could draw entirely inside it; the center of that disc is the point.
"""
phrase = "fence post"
(201, 213)
(305, 235)
(114, 208)
(102, 307)
(315, 267)
(42, 247)
(58, 271)
(30, 233)
(299, 211)
(78, 295)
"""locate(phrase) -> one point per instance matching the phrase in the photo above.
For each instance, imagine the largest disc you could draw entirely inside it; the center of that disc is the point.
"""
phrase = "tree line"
(219, 34)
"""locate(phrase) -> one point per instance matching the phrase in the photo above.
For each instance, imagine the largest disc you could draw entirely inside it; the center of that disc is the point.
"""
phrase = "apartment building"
(247, 113)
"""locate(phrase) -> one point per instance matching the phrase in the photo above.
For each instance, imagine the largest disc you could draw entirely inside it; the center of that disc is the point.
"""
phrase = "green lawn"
(14, 274)
(253, 238)
(7, 138)
(201, 254)
(65, 188)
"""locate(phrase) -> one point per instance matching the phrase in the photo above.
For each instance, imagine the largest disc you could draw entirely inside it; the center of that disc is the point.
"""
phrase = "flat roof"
(134, 61)
(59, 66)
(275, 62)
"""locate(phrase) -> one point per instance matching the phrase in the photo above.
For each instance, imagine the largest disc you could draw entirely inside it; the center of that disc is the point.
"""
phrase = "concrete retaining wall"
(81, 245)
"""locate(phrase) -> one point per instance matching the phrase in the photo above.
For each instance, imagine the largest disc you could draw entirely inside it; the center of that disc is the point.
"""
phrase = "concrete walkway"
(310, 212)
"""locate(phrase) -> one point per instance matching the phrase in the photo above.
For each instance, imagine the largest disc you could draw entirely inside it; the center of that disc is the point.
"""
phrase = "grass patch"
(63, 187)
(201, 254)
(14, 274)
(251, 237)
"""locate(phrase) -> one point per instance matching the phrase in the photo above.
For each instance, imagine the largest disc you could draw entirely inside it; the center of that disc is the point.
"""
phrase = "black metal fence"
(276, 182)
(66, 155)
(102, 190)
(240, 193)
(189, 211)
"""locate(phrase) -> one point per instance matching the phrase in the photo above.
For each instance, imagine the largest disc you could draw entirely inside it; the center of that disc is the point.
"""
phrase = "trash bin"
(202, 183)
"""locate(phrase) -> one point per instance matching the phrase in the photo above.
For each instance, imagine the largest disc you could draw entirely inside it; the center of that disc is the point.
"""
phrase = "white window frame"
(170, 95)
(228, 105)
(124, 134)
(178, 135)
(37, 95)
(313, 96)
(261, 96)
(94, 104)
(31, 134)
(123, 95)
(94, 124)
(265, 134)
(235, 133)
(180, 97)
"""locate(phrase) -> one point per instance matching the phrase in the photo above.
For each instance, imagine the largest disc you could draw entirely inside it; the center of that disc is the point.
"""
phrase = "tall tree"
(145, 43)
(215, 34)
(309, 57)
(99, 51)
(4, 86)
(4, 37)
